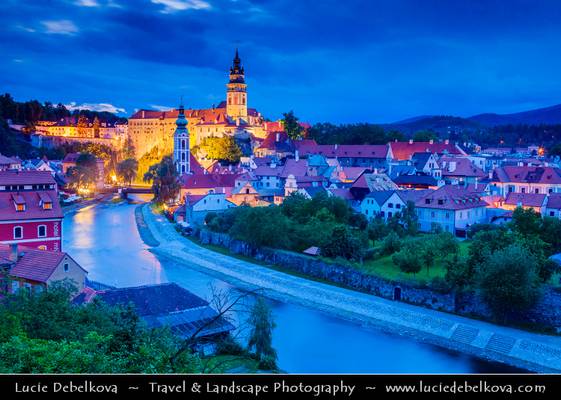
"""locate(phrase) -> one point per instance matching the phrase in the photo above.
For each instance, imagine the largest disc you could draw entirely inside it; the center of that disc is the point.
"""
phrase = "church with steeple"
(179, 130)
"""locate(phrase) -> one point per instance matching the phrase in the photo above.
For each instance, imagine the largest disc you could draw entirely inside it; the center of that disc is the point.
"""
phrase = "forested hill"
(29, 112)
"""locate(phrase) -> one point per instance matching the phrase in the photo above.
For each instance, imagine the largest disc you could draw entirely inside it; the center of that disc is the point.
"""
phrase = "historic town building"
(30, 214)
(181, 151)
(151, 130)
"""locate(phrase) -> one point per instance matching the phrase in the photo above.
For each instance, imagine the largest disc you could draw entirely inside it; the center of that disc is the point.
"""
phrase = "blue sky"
(338, 61)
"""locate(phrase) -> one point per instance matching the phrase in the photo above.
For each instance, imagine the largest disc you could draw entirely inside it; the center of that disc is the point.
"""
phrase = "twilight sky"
(338, 61)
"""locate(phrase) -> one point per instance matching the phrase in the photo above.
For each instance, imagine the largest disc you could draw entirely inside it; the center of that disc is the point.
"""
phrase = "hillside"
(548, 115)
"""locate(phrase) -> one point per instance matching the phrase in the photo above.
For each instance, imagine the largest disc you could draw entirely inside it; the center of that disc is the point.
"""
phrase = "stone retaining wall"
(547, 313)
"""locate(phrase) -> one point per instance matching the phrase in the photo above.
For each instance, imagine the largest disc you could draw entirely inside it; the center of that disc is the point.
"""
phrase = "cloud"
(171, 6)
(60, 27)
(95, 107)
(160, 108)
(87, 3)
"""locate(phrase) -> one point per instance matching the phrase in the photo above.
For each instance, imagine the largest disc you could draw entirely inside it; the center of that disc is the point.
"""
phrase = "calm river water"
(104, 240)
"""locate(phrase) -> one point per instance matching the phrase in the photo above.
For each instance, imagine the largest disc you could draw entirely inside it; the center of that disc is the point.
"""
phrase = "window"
(18, 232)
(47, 205)
(390, 214)
(398, 206)
(523, 190)
(42, 231)
(20, 207)
(390, 205)
(537, 191)
(66, 267)
(552, 213)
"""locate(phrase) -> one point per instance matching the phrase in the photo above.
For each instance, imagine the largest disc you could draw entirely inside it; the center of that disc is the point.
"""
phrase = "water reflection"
(105, 240)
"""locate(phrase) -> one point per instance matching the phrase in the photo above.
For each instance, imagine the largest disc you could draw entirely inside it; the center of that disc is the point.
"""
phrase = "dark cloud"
(328, 60)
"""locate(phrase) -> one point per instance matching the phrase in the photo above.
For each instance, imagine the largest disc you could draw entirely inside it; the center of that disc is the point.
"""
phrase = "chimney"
(447, 142)
(143, 113)
(410, 141)
(336, 146)
(431, 141)
(14, 252)
(296, 155)
(277, 137)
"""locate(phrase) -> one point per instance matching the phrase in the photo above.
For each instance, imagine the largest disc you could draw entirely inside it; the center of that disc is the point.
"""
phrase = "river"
(104, 240)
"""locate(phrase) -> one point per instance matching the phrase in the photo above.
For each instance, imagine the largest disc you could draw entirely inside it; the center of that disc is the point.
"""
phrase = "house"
(35, 270)
(401, 151)
(370, 182)
(452, 208)
(460, 170)
(526, 179)
(553, 205)
(246, 194)
(9, 163)
(383, 203)
(169, 305)
(275, 144)
(426, 163)
(203, 183)
(348, 155)
(30, 213)
(268, 176)
(534, 201)
(196, 207)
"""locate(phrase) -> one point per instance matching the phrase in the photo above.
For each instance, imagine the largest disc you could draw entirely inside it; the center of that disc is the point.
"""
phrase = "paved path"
(527, 350)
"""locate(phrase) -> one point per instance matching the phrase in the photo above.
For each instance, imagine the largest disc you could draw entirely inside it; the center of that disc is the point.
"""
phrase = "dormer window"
(19, 203)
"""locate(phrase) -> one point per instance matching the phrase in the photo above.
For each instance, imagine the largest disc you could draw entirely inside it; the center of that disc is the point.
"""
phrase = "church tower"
(236, 93)
(181, 152)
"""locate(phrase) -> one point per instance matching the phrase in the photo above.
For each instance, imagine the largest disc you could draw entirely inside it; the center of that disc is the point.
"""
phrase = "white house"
(453, 208)
(384, 203)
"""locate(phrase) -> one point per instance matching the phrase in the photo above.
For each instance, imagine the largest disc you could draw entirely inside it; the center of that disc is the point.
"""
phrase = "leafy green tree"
(164, 180)
(526, 221)
(459, 273)
(555, 150)
(291, 126)
(260, 226)
(509, 282)
(222, 148)
(550, 233)
(127, 170)
(390, 244)
(85, 173)
(408, 219)
(407, 260)
(261, 325)
(347, 243)
(377, 229)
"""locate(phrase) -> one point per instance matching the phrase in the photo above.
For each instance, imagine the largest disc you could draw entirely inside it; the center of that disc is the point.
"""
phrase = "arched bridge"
(135, 190)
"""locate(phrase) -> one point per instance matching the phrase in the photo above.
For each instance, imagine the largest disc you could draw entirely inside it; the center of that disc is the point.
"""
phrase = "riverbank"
(522, 349)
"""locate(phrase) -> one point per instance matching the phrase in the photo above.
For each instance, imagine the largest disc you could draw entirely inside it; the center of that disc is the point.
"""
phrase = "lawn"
(385, 268)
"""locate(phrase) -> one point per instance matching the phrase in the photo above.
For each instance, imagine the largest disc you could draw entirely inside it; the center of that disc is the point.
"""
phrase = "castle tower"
(181, 152)
(236, 93)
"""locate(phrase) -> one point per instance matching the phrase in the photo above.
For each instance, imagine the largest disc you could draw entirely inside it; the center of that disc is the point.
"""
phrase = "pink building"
(30, 213)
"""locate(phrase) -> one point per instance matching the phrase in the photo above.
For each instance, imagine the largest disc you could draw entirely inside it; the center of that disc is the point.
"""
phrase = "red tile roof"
(451, 197)
(404, 150)
(525, 174)
(33, 264)
(26, 178)
(525, 199)
(32, 208)
(210, 181)
(460, 166)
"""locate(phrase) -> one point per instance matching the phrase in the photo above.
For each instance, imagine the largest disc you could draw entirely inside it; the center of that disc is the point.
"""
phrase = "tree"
(261, 334)
(84, 174)
(96, 127)
(291, 126)
(424, 136)
(408, 219)
(407, 260)
(526, 221)
(261, 227)
(164, 180)
(346, 242)
(82, 126)
(127, 170)
(222, 148)
(555, 150)
(550, 233)
(509, 281)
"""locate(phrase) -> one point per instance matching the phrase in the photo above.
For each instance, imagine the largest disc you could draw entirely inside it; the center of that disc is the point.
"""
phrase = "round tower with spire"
(236, 93)
(181, 152)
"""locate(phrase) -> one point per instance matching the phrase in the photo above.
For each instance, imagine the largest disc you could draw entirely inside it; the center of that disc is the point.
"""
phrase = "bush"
(347, 243)
(407, 260)
(390, 244)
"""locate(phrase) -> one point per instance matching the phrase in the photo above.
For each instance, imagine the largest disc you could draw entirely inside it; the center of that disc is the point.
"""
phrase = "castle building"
(151, 130)
(181, 150)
